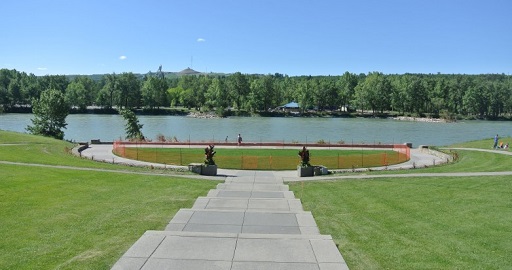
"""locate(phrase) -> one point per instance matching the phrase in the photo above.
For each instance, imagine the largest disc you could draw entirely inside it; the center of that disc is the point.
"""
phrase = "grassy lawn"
(472, 161)
(416, 223)
(265, 159)
(67, 219)
(24, 148)
(468, 161)
(483, 144)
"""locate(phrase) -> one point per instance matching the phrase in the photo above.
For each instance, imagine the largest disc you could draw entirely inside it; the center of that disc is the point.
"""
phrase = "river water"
(84, 127)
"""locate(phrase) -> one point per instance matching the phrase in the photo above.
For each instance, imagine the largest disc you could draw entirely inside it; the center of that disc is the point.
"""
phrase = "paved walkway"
(419, 159)
(251, 221)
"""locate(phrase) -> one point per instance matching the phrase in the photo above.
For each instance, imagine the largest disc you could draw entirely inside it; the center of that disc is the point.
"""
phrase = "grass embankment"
(23, 148)
(419, 222)
(473, 161)
(266, 159)
(467, 161)
(482, 144)
(55, 218)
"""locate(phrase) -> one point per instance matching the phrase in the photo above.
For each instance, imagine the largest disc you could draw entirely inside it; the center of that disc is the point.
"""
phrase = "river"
(84, 127)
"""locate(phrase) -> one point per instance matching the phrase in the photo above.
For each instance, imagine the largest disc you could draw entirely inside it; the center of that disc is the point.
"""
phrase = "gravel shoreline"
(420, 119)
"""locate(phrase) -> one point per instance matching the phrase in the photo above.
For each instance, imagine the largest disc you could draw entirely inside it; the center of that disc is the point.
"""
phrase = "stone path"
(252, 221)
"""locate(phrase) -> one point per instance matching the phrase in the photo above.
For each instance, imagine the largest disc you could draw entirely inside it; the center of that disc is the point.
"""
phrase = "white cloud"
(201, 40)
(41, 68)
(122, 57)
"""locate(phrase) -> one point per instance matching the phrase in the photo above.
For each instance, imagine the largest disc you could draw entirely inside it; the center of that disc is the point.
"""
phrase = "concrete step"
(245, 180)
(185, 250)
(244, 221)
(293, 205)
(250, 194)
(252, 187)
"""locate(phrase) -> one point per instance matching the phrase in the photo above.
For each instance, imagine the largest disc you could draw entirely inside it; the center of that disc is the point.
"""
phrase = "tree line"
(432, 95)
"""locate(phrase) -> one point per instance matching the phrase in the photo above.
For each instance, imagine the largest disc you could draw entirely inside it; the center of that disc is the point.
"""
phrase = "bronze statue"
(304, 157)
(208, 155)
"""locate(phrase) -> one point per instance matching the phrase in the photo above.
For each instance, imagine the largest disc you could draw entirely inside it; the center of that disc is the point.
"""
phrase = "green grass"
(67, 219)
(472, 161)
(468, 161)
(25, 148)
(415, 223)
(482, 144)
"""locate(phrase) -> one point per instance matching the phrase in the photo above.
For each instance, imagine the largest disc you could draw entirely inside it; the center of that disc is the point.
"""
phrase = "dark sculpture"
(304, 157)
(208, 155)
(160, 73)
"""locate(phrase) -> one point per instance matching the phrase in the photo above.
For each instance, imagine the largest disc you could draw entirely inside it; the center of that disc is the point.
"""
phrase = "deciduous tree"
(239, 88)
(50, 112)
(128, 92)
(76, 95)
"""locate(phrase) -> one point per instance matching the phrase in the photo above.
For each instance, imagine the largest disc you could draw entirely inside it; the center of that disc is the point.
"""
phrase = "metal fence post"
(362, 158)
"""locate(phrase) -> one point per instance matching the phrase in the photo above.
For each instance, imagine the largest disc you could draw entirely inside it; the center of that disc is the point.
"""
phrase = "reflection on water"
(84, 127)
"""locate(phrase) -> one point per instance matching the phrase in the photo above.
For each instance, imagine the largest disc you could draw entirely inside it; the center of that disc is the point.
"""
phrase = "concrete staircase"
(251, 221)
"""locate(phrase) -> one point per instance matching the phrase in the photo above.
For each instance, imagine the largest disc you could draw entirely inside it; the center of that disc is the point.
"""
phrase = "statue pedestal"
(202, 169)
(195, 167)
(305, 171)
(210, 170)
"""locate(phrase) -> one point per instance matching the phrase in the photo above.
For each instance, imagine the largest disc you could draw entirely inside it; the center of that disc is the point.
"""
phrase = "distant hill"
(94, 77)
(167, 74)
(189, 71)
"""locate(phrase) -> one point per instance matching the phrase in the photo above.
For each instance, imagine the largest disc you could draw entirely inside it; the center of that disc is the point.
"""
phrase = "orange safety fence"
(141, 151)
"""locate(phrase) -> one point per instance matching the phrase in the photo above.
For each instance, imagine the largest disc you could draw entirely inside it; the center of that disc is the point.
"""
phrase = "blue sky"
(293, 37)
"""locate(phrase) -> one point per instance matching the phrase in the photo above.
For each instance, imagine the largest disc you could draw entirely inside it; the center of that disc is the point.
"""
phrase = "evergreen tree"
(132, 126)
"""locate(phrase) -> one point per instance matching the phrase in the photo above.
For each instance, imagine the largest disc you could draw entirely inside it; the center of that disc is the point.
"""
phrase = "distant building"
(292, 107)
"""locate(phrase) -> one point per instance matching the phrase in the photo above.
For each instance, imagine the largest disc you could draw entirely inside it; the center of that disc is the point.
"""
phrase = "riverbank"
(182, 111)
